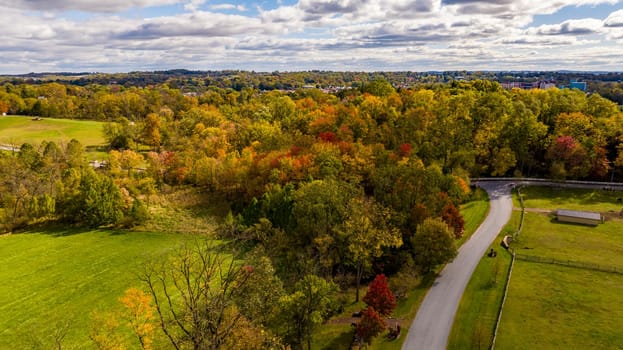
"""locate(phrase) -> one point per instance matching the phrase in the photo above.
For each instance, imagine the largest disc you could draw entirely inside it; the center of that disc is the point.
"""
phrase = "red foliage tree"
(371, 325)
(380, 297)
(451, 216)
(405, 149)
(562, 148)
(328, 136)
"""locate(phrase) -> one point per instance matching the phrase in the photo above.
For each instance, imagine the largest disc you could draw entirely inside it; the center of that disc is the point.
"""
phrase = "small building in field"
(579, 217)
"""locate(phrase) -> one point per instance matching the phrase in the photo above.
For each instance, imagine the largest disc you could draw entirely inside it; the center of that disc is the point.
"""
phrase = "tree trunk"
(359, 273)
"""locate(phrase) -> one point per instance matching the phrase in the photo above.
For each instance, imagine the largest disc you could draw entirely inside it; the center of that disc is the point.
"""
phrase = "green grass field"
(544, 236)
(574, 199)
(17, 130)
(558, 307)
(553, 306)
(56, 277)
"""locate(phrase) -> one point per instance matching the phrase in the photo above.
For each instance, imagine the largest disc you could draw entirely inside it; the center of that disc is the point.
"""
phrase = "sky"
(300, 35)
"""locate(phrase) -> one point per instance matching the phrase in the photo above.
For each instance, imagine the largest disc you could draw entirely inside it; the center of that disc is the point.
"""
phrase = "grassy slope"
(55, 277)
(19, 130)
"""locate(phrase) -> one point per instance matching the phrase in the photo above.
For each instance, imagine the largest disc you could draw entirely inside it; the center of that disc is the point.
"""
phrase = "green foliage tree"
(121, 134)
(433, 244)
(319, 206)
(366, 231)
(379, 87)
(151, 134)
(305, 309)
(96, 202)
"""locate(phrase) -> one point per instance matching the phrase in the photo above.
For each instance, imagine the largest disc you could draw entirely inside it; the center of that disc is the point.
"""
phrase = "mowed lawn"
(544, 236)
(568, 198)
(17, 130)
(558, 307)
(59, 277)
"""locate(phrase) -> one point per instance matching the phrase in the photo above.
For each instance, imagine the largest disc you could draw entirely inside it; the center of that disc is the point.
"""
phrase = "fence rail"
(499, 318)
(510, 272)
(570, 263)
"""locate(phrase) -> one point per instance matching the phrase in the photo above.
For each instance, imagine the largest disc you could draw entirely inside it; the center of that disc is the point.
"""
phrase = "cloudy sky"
(293, 35)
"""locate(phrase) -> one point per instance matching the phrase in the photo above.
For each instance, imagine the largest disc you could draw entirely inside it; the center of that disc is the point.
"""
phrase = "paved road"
(433, 322)
(9, 148)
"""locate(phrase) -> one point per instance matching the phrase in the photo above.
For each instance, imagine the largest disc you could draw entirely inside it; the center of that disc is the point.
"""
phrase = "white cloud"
(240, 8)
(310, 34)
(199, 23)
(84, 5)
(193, 5)
(615, 19)
(571, 27)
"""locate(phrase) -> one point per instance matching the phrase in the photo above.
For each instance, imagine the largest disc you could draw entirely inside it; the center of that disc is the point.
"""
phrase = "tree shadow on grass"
(64, 230)
(554, 221)
(343, 341)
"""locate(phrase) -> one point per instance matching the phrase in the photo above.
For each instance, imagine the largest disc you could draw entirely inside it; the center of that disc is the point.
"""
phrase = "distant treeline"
(198, 81)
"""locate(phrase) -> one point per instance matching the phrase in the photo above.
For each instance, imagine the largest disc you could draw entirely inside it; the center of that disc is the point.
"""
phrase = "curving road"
(433, 322)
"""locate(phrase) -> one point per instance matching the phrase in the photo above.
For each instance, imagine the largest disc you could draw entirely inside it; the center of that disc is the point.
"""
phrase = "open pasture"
(17, 130)
(559, 307)
(552, 198)
(55, 278)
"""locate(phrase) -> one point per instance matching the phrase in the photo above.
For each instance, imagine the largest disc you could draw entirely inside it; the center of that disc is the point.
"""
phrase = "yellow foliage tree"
(140, 316)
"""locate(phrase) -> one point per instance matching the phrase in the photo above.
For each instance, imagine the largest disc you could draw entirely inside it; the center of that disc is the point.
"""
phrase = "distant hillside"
(190, 80)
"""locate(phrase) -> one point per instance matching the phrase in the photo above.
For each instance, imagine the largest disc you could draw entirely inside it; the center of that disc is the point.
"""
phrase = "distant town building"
(541, 84)
(580, 85)
(546, 85)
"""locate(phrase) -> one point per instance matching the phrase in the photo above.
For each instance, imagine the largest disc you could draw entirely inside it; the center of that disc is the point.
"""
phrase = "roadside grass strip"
(477, 313)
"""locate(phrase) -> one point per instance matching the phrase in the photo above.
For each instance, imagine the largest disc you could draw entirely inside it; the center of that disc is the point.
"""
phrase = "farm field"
(553, 306)
(559, 307)
(58, 277)
(17, 130)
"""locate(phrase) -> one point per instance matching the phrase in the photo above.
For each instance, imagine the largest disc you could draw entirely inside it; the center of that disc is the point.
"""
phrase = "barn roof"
(579, 214)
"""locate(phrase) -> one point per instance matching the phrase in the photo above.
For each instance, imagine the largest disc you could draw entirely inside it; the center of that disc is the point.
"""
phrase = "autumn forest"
(323, 189)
